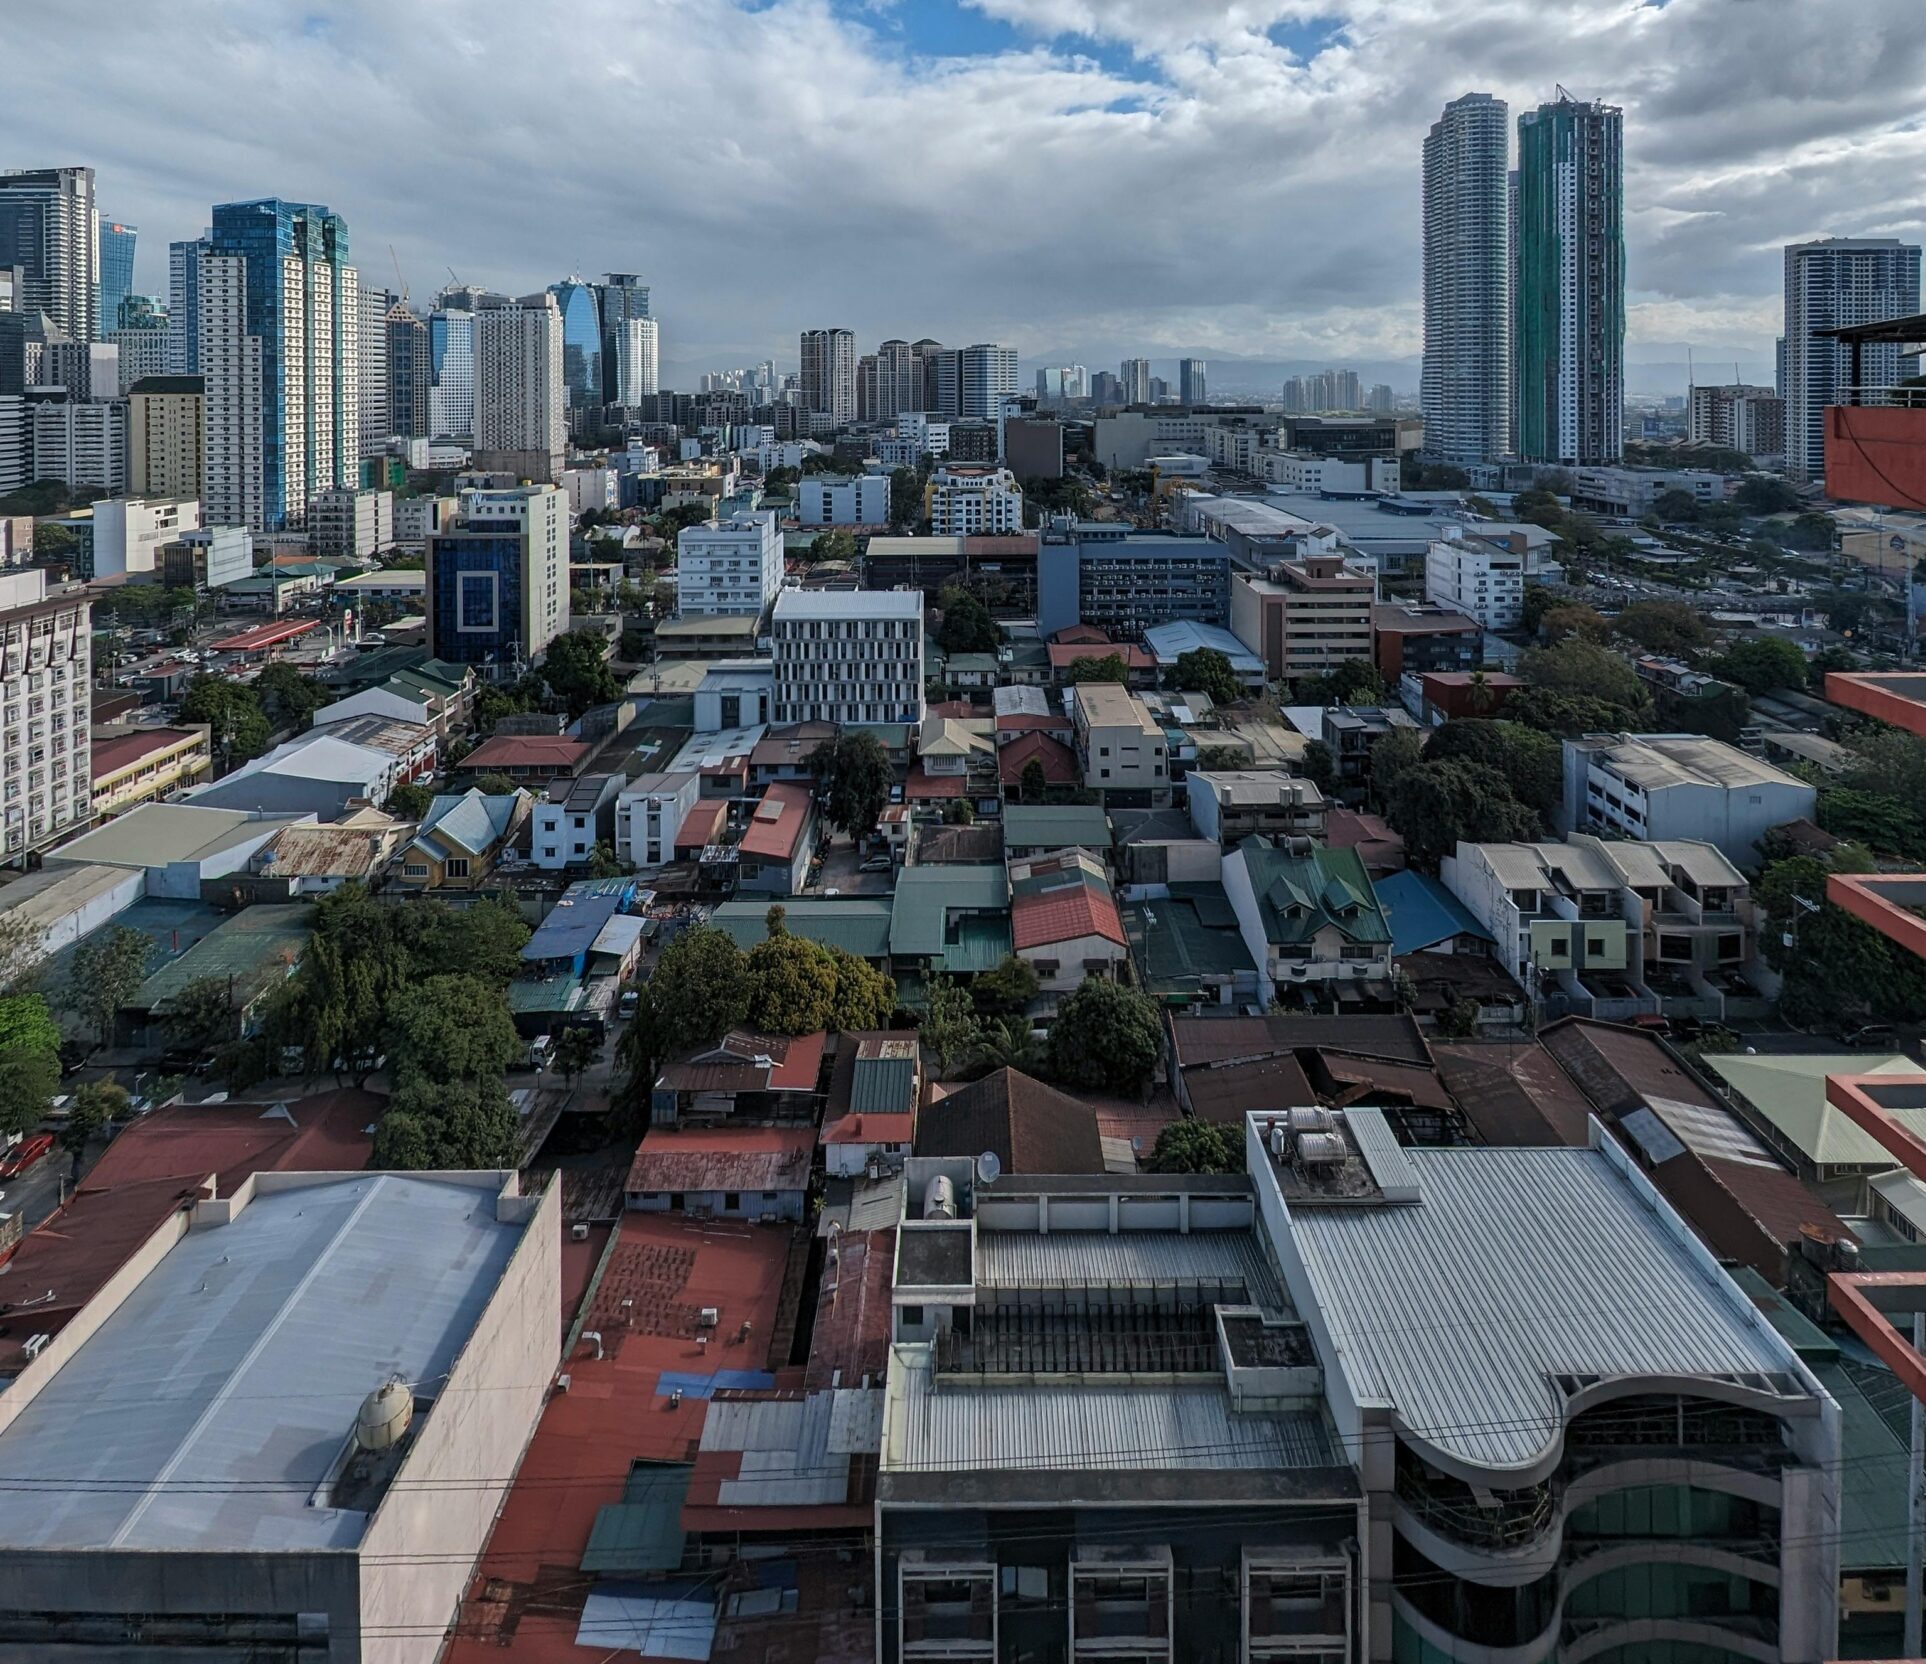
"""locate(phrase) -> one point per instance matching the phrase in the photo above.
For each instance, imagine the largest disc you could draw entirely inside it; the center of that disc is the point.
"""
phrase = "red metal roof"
(1058, 760)
(681, 1159)
(923, 787)
(1080, 635)
(263, 636)
(701, 824)
(119, 751)
(871, 1129)
(525, 751)
(775, 837)
(1065, 653)
(1064, 915)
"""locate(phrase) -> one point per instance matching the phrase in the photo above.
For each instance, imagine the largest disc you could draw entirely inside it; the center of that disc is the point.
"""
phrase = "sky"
(1095, 178)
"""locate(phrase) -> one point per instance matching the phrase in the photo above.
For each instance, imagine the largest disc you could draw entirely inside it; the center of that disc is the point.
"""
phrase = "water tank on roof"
(385, 1416)
(939, 1199)
(1322, 1149)
(1312, 1118)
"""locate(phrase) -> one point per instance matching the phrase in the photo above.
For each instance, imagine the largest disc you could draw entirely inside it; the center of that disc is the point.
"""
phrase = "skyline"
(1088, 181)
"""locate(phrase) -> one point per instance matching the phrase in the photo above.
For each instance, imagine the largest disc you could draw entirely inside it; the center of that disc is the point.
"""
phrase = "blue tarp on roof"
(1422, 912)
(571, 927)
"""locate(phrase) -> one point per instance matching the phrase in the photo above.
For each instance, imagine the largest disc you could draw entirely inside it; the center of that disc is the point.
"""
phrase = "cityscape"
(741, 991)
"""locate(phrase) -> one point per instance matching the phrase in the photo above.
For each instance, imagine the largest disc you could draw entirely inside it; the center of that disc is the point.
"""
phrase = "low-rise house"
(1020, 709)
(649, 812)
(1309, 917)
(1152, 847)
(744, 1077)
(130, 765)
(784, 753)
(1124, 754)
(1054, 759)
(1436, 697)
(527, 758)
(1375, 839)
(1350, 733)
(1230, 805)
(777, 843)
(723, 1172)
(1037, 829)
(461, 840)
(1064, 921)
(955, 749)
(317, 859)
(435, 693)
(571, 818)
(1028, 1126)
(875, 1086)
(949, 921)
(1425, 917)
(1188, 948)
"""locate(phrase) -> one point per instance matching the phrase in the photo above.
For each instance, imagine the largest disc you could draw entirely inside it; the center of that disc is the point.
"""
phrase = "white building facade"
(129, 532)
(967, 502)
(1465, 385)
(848, 656)
(833, 500)
(521, 400)
(1476, 578)
(46, 702)
(728, 568)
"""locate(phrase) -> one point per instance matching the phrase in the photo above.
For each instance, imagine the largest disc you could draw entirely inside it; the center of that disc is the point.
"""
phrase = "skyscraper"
(1829, 283)
(451, 370)
(1190, 381)
(50, 229)
(829, 377)
(184, 306)
(1466, 380)
(1136, 380)
(581, 311)
(521, 397)
(1568, 299)
(279, 320)
(376, 422)
(621, 297)
(410, 374)
(986, 374)
(631, 361)
(116, 272)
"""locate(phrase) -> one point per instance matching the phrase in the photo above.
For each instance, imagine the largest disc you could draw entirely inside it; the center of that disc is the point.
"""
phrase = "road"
(36, 1193)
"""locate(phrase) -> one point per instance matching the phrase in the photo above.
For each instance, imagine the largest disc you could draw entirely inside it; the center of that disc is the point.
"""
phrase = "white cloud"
(1245, 182)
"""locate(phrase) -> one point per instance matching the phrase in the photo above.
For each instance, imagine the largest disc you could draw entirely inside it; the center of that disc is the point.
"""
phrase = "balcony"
(1477, 1518)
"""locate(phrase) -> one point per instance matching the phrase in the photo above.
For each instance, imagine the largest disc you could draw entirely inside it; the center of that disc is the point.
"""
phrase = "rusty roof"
(683, 1159)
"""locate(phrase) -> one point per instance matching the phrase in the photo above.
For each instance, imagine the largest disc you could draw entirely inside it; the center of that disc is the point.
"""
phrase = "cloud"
(1107, 176)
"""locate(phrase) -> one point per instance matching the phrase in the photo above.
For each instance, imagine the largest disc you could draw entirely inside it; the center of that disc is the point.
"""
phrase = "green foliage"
(493, 785)
(602, 861)
(1890, 764)
(700, 990)
(791, 986)
(1874, 819)
(1008, 987)
(1208, 671)
(949, 1027)
(576, 669)
(905, 499)
(1579, 667)
(450, 1028)
(94, 1105)
(1662, 626)
(1033, 784)
(410, 800)
(27, 1025)
(1564, 715)
(493, 702)
(236, 722)
(106, 972)
(1009, 1043)
(1834, 968)
(575, 1049)
(1107, 1038)
(1197, 1147)
(853, 778)
(864, 996)
(1459, 1020)
(1531, 763)
(1765, 494)
(830, 545)
(959, 813)
(1106, 667)
(1393, 756)
(1319, 766)
(434, 1125)
(28, 1081)
(1539, 600)
(1762, 663)
(201, 1015)
(1676, 506)
(289, 698)
(1438, 805)
(1355, 682)
(967, 626)
(1573, 621)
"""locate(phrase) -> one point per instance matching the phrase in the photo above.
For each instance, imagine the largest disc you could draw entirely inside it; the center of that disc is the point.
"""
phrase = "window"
(731, 1199)
(414, 869)
(456, 867)
(912, 1317)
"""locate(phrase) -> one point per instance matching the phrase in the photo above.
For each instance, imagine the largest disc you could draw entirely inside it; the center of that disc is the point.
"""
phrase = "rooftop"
(1062, 898)
(1106, 705)
(1422, 912)
(1169, 642)
(926, 897)
(124, 750)
(1033, 1128)
(698, 1159)
(1790, 1093)
(776, 826)
(1055, 825)
(327, 1287)
(1300, 895)
(157, 833)
(471, 822)
(849, 603)
(856, 924)
(525, 751)
(252, 951)
(1655, 761)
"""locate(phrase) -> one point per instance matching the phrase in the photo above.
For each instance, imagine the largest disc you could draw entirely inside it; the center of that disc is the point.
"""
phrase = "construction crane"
(402, 281)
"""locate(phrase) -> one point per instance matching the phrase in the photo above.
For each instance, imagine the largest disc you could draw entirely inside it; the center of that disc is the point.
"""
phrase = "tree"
(959, 813)
(448, 1125)
(1107, 1038)
(1318, 766)
(482, 939)
(700, 990)
(602, 861)
(576, 668)
(289, 698)
(1436, 806)
(905, 498)
(409, 801)
(236, 723)
(864, 997)
(1354, 682)
(1394, 755)
(28, 1081)
(949, 1026)
(201, 1016)
(1009, 1043)
(1765, 494)
(853, 778)
(967, 626)
(1662, 626)
(94, 1105)
(106, 972)
(1033, 784)
(1579, 667)
(1006, 987)
(1531, 763)
(791, 986)
(831, 545)
(575, 1049)
(1762, 663)
(1105, 667)
(1875, 819)
(494, 785)
(1197, 1147)
(1676, 506)
(27, 1025)
(1573, 621)
(450, 1028)
(1208, 671)
(1564, 715)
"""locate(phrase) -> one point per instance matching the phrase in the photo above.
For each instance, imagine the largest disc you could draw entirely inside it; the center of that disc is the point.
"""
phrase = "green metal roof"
(643, 1532)
(885, 1085)
(1299, 895)
(973, 943)
(552, 994)
(1055, 826)
(858, 925)
(255, 949)
(1184, 937)
(926, 896)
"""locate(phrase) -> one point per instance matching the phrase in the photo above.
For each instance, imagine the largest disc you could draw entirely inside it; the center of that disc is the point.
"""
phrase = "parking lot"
(839, 872)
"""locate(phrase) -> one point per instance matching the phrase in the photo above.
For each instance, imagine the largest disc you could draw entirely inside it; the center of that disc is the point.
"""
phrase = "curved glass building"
(581, 339)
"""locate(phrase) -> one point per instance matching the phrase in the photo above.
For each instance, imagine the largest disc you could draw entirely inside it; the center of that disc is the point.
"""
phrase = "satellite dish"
(988, 1167)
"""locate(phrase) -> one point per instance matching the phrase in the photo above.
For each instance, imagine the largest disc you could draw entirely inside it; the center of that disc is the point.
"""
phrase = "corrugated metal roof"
(925, 897)
(884, 1080)
(787, 1461)
(1097, 1259)
(856, 925)
(1517, 1266)
(255, 948)
(979, 945)
(1056, 826)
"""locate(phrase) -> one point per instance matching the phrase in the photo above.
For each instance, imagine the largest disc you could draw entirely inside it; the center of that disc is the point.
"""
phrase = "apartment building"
(1230, 805)
(352, 525)
(648, 815)
(80, 442)
(1737, 416)
(46, 695)
(729, 567)
(1661, 786)
(1409, 636)
(130, 532)
(1121, 751)
(164, 437)
(1483, 580)
(1308, 616)
(848, 656)
(970, 502)
(1306, 473)
(521, 393)
(843, 500)
(1101, 574)
(498, 578)
(131, 765)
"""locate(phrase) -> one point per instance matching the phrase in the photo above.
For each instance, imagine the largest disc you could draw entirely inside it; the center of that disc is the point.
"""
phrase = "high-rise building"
(1190, 381)
(141, 345)
(451, 368)
(278, 326)
(45, 675)
(928, 355)
(497, 590)
(184, 306)
(410, 374)
(1738, 417)
(581, 310)
(165, 441)
(1135, 377)
(1830, 283)
(620, 298)
(1466, 381)
(50, 229)
(376, 422)
(80, 442)
(631, 362)
(521, 400)
(1106, 389)
(829, 377)
(986, 375)
(889, 383)
(116, 272)
(1568, 284)
(1380, 400)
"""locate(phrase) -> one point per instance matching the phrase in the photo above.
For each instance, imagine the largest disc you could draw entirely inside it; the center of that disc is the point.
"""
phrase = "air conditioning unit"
(708, 1317)
(578, 1233)
(562, 1382)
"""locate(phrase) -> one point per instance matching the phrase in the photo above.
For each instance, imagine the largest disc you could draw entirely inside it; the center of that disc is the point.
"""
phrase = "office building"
(80, 442)
(211, 558)
(165, 440)
(451, 367)
(36, 353)
(889, 383)
(1307, 617)
(577, 301)
(1465, 386)
(986, 376)
(279, 317)
(184, 306)
(1485, 581)
(632, 361)
(1121, 751)
(1738, 417)
(829, 377)
(375, 423)
(498, 579)
(129, 532)
(1679, 786)
(410, 372)
(1033, 447)
(1135, 381)
(729, 567)
(16, 442)
(843, 500)
(1568, 285)
(521, 421)
(140, 351)
(352, 524)
(50, 230)
(848, 656)
(973, 502)
(1190, 381)
(1828, 284)
(116, 272)
(1123, 583)
(46, 694)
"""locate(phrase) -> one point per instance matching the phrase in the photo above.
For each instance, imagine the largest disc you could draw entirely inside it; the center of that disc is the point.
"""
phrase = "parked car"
(630, 1002)
(27, 1153)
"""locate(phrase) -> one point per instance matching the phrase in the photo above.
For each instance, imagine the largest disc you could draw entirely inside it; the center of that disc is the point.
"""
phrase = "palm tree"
(1008, 1043)
(576, 1050)
(1480, 693)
